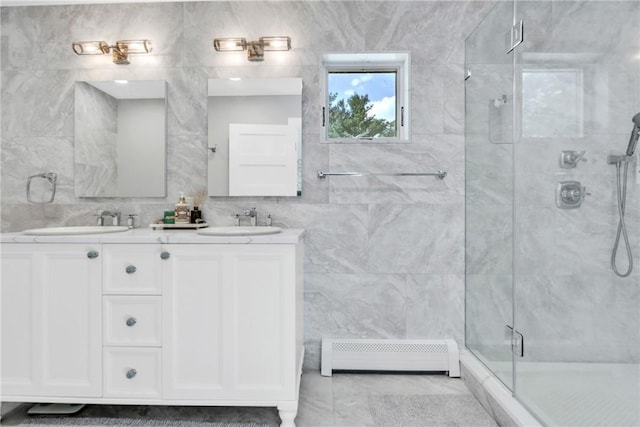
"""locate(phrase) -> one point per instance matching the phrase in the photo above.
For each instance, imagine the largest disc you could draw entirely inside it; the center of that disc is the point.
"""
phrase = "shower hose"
(622, 227)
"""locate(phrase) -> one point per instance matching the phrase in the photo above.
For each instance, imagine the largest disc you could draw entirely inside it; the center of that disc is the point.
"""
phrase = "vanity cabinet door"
(51, 320)
(193, 321)
(229, 322)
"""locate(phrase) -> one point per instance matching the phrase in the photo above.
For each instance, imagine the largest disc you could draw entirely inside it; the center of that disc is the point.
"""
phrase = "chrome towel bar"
(439, 174)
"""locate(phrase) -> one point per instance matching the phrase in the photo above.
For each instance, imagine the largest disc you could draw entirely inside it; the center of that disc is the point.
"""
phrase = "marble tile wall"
(384, 258)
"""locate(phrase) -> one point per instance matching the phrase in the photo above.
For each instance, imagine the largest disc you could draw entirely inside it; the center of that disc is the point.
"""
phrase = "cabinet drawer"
(132, 372)
(132, 320)
(132, 269)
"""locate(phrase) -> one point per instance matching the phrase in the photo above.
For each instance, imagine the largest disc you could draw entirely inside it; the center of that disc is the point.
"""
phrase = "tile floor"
(341, 400)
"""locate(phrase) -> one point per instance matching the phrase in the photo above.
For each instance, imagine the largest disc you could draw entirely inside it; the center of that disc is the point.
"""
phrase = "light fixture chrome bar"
(120, 50)
(439, 174)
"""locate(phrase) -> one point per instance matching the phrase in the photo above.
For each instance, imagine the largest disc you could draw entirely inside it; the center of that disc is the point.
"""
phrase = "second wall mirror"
(255, 137)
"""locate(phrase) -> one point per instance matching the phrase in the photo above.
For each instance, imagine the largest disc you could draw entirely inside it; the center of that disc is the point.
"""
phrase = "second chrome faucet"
(253, 217)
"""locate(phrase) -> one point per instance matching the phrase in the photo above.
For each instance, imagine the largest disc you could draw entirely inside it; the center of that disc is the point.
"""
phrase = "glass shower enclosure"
(551, 91)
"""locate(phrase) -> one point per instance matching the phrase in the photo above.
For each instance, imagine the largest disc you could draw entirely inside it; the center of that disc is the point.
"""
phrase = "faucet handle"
(131, 220)
(99, 219)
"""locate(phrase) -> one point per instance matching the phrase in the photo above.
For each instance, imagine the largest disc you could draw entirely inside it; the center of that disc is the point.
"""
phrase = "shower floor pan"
(580, 394)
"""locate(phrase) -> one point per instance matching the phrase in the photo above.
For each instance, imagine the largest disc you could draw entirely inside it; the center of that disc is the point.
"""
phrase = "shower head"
(635, 133)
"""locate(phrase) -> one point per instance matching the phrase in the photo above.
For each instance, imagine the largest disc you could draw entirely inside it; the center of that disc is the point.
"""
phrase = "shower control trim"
(569, 158)
(570, 194)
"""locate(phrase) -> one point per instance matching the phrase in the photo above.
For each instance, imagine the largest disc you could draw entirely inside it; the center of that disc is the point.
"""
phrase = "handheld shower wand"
(621, 183)
(635, 133)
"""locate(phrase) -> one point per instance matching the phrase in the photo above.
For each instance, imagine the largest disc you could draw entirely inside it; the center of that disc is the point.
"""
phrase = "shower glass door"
(577, 84)
(489, 192)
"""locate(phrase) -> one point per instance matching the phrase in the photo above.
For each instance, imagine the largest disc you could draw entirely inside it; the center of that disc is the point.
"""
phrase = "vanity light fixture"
(120, 50)
(255, 49)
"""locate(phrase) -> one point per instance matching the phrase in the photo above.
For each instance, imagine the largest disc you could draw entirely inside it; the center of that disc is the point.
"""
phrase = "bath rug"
(135, 422)
(395, 410)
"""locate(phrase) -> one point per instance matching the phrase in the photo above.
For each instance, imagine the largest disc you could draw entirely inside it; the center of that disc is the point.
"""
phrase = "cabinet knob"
(92, 254)
(131, 373)
(131, 269)
(131, 321)
(165, 255)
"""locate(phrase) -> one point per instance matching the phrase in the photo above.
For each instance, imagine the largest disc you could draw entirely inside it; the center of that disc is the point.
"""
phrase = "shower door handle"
(517, 35)
(514, 339)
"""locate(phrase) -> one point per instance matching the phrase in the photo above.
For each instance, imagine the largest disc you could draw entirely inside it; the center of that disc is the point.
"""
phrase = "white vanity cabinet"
(51, 320)
(187, 320)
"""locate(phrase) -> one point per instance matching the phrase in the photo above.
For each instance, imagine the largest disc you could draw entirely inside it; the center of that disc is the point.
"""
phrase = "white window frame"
(375, 62)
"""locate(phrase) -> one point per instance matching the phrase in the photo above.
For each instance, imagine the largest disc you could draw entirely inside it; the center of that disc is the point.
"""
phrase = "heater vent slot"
(390, 355)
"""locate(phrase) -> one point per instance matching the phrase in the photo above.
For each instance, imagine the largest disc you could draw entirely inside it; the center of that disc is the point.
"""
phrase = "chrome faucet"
(253, 215)
(115, 217)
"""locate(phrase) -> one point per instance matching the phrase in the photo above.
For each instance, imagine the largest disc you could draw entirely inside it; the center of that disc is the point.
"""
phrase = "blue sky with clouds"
(381, 88)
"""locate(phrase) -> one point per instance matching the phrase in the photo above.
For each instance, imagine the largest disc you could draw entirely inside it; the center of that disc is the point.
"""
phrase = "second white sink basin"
(239, 231)
(72, 230)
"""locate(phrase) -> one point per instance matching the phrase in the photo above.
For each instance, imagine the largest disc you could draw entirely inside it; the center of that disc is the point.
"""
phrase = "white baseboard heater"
(390, 355)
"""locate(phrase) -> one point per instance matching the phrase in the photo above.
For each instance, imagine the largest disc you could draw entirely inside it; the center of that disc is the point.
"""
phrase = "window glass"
(362, 104)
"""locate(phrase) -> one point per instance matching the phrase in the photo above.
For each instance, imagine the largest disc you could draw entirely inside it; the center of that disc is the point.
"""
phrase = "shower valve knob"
(570, 194)
(569, 158)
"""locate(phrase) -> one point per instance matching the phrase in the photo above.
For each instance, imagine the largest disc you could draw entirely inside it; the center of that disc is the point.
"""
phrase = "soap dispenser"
(182, 211)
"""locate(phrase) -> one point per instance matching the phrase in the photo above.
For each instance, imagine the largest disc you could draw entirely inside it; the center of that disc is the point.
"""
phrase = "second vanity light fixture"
(255, 49)
(120, 50)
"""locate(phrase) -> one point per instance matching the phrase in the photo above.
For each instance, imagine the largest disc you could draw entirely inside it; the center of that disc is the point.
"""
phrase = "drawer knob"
(131, 373)
(131, 269)
(165, 255)
(131, 321)
(92, 254)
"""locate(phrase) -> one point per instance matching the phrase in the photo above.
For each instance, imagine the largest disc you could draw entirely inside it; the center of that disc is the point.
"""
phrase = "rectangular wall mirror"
(255, 137)
(120, 138)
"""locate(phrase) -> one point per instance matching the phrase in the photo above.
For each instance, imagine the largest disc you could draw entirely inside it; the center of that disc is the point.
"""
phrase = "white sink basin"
(239, 231)
(81, 229)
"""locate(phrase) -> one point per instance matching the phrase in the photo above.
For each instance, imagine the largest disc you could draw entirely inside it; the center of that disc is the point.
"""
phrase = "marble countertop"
(139, 235)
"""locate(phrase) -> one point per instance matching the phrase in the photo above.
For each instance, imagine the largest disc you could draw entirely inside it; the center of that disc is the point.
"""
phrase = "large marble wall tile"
(356, 306)
(187, 102)
(36, 46)
(579, 27)
(427, 99)
(486, 113)
(399, 25)
(26, 156)
(428, 153)
(489, 308)
(416, 238)
(353, 306)
(253, 19)
(579, 322)
(488, 172)
(37, 103)
(486, 43)
(186, 165)
(435, 307)
(454, 99)
(534, 240)
(335, 236)
(489, 239)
